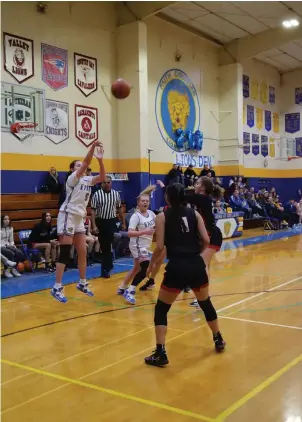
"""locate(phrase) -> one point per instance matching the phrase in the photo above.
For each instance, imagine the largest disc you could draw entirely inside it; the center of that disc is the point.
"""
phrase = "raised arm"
(99, 154)
(87, 160)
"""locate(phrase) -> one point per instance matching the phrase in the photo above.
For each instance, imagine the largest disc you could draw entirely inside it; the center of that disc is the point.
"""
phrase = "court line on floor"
(259, 294)
(110, 392)
(261, 322)
(100, 369)
(266, 383)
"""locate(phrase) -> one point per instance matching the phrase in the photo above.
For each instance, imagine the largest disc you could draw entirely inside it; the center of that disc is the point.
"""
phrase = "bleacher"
(25, 209)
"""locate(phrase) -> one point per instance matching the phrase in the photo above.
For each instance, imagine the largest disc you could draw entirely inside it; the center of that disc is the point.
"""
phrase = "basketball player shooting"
(70, 224)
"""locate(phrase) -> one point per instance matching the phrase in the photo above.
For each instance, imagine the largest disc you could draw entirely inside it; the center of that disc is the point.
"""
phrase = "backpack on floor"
(271, 224)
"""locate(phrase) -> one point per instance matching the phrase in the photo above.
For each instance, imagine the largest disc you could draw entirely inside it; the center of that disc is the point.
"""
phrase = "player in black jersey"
(182, 231)
(201, 198)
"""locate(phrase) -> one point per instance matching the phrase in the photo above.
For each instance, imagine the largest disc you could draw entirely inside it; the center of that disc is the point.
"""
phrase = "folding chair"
(28, 252)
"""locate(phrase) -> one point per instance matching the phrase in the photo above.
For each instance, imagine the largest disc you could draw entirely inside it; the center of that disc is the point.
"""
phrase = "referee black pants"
(106, 228)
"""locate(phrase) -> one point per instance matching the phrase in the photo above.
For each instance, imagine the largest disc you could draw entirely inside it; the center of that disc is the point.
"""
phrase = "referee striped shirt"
(105, 203)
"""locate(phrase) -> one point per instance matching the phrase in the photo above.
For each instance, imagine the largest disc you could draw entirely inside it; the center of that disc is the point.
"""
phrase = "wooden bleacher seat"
(25, 209)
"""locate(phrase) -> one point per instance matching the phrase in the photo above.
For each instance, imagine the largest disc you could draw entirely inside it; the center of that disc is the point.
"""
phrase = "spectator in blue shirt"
(238, 204)
(291, 209)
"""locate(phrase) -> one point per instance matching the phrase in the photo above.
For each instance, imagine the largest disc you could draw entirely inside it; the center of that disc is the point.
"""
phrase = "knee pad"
(64, 256)
(208, 309)
(160, 314)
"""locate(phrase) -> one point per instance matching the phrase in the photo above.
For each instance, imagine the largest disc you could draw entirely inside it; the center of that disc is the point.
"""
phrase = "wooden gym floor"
(83, 361)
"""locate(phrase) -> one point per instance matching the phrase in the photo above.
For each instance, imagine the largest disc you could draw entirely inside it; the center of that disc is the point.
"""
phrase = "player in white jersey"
(140, 231)
(70, 224)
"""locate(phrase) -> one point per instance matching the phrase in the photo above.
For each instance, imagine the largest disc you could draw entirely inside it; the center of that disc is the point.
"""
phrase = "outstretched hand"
(99, 151)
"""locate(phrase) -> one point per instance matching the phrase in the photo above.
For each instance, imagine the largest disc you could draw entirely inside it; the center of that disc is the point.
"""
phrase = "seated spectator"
(92, 241)
(173, 176)
(8, 247)
(277, 211)
(218, 208)
(291, 209)
(238, 204)
(41, 238)
(206, 170)
(299, 210)
(241, 183)
(255, 206)
(7, 267)
(190, 176)
(52, 181)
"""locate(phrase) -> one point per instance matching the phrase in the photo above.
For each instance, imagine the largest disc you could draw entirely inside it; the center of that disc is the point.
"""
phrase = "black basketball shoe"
(158, 358)
(219, 342)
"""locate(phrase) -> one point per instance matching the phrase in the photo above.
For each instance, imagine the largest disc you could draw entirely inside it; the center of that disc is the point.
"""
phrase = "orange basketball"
(20, 267)
(120, 89)
(27, 266)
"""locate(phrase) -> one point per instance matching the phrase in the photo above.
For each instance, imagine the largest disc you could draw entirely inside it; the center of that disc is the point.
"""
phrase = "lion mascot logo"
(179, 109)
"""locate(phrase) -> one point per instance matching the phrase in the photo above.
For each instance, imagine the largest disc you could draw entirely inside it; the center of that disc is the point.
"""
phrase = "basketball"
(120, 89)
(20, 268)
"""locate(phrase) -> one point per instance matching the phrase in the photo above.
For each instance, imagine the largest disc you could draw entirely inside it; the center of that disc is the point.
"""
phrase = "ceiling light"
(290, 23)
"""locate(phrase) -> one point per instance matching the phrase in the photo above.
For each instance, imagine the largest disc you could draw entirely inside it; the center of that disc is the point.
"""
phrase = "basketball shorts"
(140, 253)
(70, 224)
(184, 272)
(216, 239)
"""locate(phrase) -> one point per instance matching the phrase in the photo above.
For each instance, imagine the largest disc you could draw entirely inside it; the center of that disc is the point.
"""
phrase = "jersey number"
(185, 220)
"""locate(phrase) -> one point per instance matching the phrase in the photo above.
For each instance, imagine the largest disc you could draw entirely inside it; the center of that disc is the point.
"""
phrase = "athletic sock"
(57, 285)
(83, 281)
(131, 288)
(160, 347)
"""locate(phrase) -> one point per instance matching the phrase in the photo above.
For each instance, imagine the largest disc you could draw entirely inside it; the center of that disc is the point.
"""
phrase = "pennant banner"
(276, 122)
(255, 144)
(246, 143)
(299, 147)
(259, 113)
(298, 96)
(264, 145)
(268, 120)
(246, 86)
(272, 95)
(250, 115)
(292, 122)
(263, 93)
(254, 89)
(272, 151)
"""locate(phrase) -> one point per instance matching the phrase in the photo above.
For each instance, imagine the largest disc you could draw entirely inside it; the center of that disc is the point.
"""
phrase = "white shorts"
(140, 253)
(70, 224)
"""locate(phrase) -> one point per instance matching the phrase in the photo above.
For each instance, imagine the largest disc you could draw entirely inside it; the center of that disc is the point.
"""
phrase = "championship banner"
(276, 122)
(268, 120)
(18, 57)
(272, 94)
(246, 143)
(250, 115)
(263, 93)
(85, 74)
(259, 117)
(86, 124)
(54, 66)
(298, 96)
(246, 86)
(230, 224)
(272, 149)
(255, 144)
(299, 147)
(244, 114)
(292, 122)
(264, 145)
(57, 122)
(254, 89)
(118, 177)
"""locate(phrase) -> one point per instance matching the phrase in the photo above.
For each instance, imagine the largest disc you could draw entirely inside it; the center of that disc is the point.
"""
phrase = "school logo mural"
(86, 124)
(177, 111)
(54, 66)
(18, 57)
(57, 125)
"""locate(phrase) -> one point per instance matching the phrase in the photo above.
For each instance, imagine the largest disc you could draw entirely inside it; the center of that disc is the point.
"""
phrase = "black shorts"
(185, 272)
(216, 239)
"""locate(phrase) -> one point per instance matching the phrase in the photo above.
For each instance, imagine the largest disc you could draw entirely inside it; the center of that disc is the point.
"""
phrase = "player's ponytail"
(209, 187)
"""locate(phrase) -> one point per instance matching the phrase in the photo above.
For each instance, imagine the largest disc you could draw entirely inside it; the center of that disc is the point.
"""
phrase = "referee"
(105, 204)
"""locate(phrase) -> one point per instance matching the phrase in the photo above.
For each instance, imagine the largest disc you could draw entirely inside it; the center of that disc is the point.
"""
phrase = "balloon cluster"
(195, 140)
